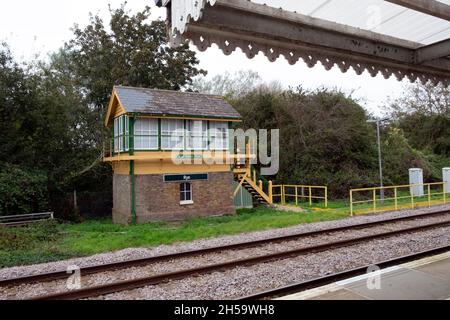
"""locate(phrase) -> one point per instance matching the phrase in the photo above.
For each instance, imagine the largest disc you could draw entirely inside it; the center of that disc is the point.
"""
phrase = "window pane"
(172, 134)
(219, 135)
(146, 134)
(153, 142)
(172, 142)
(116, 127)
(170, 126)
(197, 135)
(185, 192)
(183, 187)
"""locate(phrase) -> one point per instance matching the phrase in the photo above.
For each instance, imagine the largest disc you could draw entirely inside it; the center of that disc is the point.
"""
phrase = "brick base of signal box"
(157, 200)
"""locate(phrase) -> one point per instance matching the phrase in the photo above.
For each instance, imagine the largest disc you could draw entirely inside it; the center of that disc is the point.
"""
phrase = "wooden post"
(326, 197)
(374, 200)
(429, 195)
(260, 184)
(351, 203)
(310, 196)
(395, 198)
(75, 204)
(443, 189)
(247, 156)
(271, 191)
(296, 195)
(283, 194)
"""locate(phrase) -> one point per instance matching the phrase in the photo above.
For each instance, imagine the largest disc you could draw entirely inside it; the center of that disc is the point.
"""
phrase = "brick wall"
(157, 200)
(121, 199)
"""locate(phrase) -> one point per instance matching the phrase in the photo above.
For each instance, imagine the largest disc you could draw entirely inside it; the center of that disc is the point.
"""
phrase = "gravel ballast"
(276, 274)
(240, 281)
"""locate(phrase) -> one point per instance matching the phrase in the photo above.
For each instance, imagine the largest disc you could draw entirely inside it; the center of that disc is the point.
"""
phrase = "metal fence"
(300, 193)
(381, 199)
(24, 219)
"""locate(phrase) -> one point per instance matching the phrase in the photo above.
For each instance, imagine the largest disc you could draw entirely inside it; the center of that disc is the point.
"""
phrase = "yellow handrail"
(283, 194)
(417, 198)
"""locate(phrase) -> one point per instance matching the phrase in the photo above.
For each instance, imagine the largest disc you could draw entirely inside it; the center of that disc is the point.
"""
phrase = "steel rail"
(325, 280)
(62, 274)
(99, 290)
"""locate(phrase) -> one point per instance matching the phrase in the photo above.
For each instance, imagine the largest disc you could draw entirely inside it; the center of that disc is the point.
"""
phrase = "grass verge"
(50, 241)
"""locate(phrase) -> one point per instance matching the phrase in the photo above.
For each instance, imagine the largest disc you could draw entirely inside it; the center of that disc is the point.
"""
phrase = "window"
(146, 134)
(197, 135)
(121, 134)
(172, 134)
(186, 193)
(219, 135)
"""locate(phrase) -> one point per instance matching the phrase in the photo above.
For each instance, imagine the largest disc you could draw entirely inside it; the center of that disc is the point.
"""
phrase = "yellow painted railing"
(370, 200)
(249, 175)
(298, 193)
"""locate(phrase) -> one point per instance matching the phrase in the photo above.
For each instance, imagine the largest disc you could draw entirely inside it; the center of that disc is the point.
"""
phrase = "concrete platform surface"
(425, 279)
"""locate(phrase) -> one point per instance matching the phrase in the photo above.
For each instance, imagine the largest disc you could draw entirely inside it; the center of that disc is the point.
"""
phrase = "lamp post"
(380, 161)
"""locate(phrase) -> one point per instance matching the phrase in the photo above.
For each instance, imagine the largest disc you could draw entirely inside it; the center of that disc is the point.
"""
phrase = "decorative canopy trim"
(256, 28)
(184, 11)
(228, 44)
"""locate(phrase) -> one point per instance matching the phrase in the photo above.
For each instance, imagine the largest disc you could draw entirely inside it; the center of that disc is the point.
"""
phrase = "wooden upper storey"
(161, 121)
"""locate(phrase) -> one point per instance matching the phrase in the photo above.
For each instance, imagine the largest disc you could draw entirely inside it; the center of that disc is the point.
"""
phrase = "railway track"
(155, 279)
(322, 281)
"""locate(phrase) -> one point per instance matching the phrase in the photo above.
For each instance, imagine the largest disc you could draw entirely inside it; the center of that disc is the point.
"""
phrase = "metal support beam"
(270, 27)
(433, 51)
(430, 7)
(298, 32)
(257, 28)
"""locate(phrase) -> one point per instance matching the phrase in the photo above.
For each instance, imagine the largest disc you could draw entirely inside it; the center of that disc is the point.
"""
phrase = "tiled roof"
(174, 103)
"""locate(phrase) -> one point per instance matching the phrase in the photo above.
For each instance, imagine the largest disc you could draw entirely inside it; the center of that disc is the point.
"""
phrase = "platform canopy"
(404, 38)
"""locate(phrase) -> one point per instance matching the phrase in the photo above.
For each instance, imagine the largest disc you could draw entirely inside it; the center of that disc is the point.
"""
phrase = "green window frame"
(121, 134)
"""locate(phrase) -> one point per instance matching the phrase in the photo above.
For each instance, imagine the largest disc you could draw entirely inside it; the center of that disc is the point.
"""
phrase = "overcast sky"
(38, 27)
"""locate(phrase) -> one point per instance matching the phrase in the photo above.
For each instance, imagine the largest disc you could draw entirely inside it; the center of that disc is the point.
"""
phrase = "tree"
(399, 156)
(52, 111)
(423, 113)
(324, 136)
(133, 52)
(425, 99)
(227, 84)
(17, 99)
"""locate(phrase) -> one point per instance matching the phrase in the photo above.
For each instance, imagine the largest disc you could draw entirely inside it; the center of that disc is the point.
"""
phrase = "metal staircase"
(257, 192)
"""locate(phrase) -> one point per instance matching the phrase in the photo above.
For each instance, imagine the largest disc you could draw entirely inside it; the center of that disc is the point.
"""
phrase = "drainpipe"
(133, 192)
(132, 176)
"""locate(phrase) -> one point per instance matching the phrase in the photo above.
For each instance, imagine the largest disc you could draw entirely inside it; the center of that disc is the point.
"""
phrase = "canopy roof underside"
(404, 38)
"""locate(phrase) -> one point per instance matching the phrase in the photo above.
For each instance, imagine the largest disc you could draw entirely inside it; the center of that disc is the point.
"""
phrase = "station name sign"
(185, 177)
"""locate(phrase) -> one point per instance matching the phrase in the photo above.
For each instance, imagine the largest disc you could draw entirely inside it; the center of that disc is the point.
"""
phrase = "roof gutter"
(159, 115)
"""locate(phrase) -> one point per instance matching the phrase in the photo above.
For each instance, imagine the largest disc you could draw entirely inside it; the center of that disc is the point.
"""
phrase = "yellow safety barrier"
(299, 192)
(381, 199)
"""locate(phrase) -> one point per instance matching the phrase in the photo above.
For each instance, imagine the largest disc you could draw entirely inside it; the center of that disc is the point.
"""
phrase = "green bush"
(22, 190)
(31, 244)
(324, 137)
(28, 237)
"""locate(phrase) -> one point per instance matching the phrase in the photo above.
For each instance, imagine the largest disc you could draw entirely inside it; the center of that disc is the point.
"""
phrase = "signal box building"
(168, 153)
